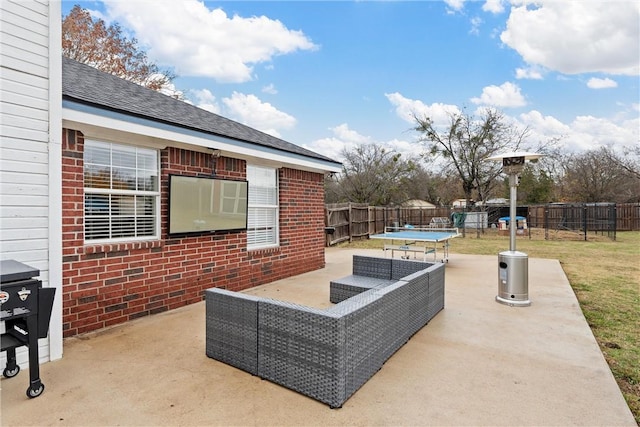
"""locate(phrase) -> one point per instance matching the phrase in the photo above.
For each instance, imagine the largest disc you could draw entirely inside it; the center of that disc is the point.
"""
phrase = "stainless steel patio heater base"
(513, 279)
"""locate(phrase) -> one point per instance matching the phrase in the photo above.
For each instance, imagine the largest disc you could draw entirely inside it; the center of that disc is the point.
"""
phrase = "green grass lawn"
(604, 274)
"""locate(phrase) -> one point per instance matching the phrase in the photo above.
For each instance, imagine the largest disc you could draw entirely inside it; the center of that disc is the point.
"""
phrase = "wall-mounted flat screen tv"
(203, 204)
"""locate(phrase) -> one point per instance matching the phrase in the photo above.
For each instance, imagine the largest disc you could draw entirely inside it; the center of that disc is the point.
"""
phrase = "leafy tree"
(535, 187)
(104, 47)
(372, 174)
(465, 144)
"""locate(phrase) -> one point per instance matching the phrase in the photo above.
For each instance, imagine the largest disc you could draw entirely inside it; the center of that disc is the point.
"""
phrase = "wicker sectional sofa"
(326, 354)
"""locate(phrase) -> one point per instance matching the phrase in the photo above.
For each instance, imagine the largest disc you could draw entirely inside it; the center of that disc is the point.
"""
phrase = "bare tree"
(332, 190)
(630, 162)
(104, 47)
(465, 144)
(439, 189)
(601, 175)
(372, 174)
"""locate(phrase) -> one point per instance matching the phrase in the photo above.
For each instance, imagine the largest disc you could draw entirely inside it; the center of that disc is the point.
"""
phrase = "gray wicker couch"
(325, 354)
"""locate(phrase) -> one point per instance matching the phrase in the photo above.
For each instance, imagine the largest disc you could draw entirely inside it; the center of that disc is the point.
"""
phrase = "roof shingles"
(88, 85)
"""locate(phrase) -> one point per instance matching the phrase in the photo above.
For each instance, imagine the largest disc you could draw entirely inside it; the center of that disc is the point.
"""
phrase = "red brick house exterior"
(107, 283)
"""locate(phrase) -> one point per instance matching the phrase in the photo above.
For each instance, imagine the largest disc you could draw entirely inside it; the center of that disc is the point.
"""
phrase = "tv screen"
(201, 204)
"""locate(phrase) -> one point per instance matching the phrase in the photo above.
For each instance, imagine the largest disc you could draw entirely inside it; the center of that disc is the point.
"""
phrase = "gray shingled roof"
(88, 85)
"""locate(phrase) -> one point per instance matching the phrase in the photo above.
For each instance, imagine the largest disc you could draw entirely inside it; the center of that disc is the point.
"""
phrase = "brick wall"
(301, 217)
(107, 284)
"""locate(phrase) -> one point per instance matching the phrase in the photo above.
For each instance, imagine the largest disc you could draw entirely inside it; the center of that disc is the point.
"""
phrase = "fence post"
(615, 220)
(584, 220)
(546, 222)
(350, 221)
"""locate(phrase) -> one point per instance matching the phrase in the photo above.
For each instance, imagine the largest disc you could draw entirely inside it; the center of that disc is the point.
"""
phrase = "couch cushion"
(347, 287)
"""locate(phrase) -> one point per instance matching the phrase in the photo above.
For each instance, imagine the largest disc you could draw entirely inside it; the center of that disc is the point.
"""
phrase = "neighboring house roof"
(87, 85)
(417, 203)
(498, 201)
(461, 202)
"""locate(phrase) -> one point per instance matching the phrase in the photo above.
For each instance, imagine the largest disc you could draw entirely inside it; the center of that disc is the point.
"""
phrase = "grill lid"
(12, 270)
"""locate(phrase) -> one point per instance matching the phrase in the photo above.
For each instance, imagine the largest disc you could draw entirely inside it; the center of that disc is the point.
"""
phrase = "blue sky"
(331, 74)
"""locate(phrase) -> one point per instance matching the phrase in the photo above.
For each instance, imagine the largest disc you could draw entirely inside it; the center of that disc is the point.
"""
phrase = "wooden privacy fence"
(344, 221)
(348, 221)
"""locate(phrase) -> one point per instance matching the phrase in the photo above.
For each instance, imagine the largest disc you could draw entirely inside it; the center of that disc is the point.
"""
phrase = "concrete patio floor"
(476, 363)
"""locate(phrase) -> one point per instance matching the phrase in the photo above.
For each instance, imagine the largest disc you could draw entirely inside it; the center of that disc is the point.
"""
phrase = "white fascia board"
(93, 121)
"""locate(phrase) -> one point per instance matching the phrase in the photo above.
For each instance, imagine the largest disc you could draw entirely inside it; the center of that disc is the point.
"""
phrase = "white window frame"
(253, 240)
(112, 146)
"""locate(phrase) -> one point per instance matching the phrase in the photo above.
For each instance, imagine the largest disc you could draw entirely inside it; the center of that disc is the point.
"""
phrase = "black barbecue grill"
(25, 309)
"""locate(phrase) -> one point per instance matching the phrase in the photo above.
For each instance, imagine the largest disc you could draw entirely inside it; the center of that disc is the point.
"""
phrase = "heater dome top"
(525, 155)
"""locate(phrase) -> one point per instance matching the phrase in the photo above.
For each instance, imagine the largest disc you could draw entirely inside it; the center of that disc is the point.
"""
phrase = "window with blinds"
(262, 221)
(121, 192)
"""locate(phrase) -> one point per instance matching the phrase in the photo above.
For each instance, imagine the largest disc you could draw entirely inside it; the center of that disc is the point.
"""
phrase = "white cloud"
(476, 21)
(247, 109)
(505, 95)
(345, 138)
(575, 37)
(343, 133)
(406, 109)
(583, 133)
(250, 110)
(330, 147)
(169, 89)
(96, 14)
(493, 6)
(596, 83)
(597, 131)
(200, 41)
(528, 73)
(206, 100)
(455, 5)
(270, 89)
(546, 125)
(408, 149)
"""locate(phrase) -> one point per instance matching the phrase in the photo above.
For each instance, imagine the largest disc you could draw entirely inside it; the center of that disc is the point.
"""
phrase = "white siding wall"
(26, 136)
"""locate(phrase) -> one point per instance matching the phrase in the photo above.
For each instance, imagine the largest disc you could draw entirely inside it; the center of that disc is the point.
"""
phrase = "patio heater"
(513, 266)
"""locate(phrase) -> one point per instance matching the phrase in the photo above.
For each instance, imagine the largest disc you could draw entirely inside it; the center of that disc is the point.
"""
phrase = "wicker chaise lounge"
(325, 354)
